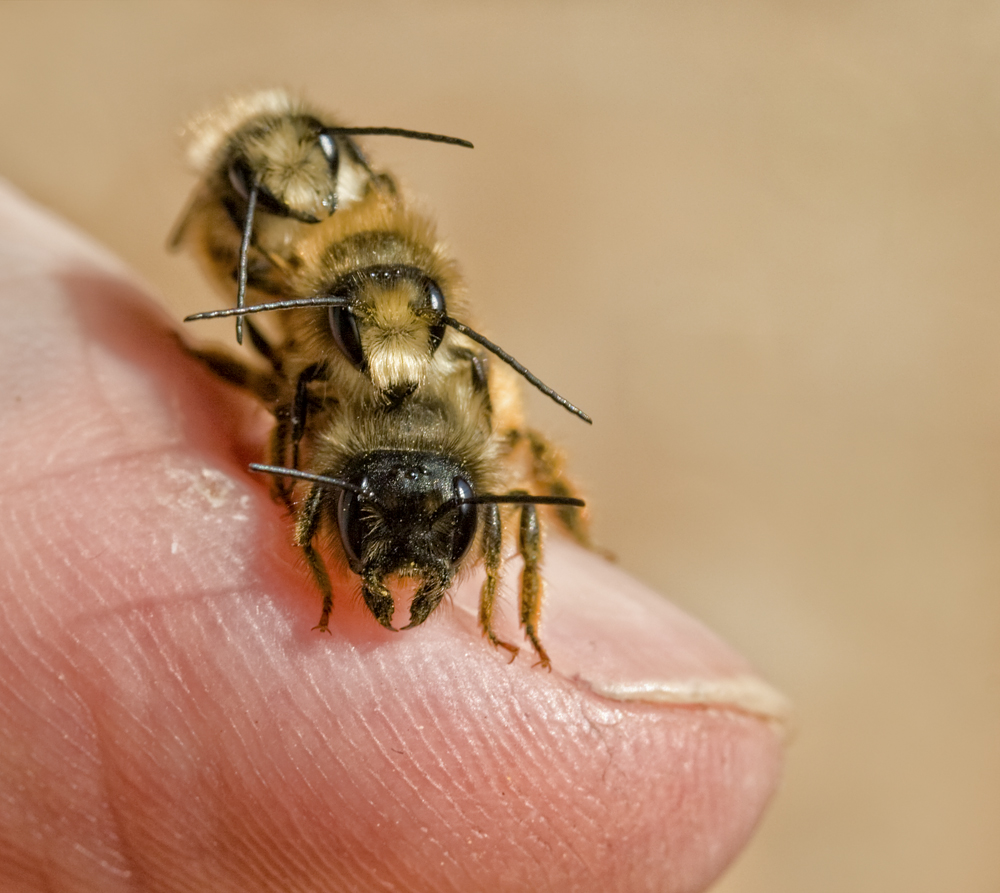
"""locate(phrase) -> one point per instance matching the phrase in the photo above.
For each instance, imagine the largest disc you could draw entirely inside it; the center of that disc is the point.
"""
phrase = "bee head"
(404, 516)
(300, 169)
(391, 324)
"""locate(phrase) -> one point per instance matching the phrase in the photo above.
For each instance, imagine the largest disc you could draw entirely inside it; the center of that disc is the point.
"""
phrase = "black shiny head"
(407, 517)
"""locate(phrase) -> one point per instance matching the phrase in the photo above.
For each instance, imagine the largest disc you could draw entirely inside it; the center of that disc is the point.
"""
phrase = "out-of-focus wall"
(757, 241)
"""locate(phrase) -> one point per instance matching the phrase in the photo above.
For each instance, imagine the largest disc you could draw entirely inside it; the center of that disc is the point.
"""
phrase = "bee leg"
(479, 367)
(305, 531)
(281, 487)
(492, 548)
(531, 580)
(300, 408)
(263, 346)
(549, 471)
(428, 596)
(289, 429)
(262, 385)
(377, 597)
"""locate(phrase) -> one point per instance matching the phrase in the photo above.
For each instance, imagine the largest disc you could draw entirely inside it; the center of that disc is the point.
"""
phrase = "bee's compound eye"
(328, 146)
(344, 327)
(466, 521)
(435, 300)
(240, 176)
(352, 527)
(243, 179)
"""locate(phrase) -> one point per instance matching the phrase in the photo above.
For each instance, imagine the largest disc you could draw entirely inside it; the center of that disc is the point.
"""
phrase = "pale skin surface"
(169, 721)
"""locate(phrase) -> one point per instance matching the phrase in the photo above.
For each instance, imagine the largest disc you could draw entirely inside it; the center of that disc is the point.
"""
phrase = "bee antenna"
(521, 499)
(399, 131)
(514, 364)
(241, 287)
(273, 305)
(321, 479)
(510, 498)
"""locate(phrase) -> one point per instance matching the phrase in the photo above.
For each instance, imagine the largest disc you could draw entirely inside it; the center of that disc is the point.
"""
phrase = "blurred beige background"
(759, 242)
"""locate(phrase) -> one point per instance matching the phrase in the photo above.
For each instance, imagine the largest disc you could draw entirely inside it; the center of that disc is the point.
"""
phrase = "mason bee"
(271, 167)
(370, 298)
(421, 491)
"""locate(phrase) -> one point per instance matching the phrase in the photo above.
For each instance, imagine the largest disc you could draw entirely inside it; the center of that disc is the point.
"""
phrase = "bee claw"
(387, 623)
(500, 643)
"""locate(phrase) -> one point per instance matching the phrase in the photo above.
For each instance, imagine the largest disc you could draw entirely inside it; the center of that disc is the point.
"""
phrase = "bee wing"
(195, 203)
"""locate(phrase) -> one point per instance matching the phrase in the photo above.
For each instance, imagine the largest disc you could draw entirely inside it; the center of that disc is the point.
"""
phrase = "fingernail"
(610, 633)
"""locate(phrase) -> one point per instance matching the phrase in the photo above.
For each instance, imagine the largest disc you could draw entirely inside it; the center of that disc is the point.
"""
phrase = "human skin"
(170, 721)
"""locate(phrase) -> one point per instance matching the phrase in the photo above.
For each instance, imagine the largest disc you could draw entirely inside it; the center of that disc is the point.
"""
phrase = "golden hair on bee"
(271, 167)
(276, 135)
(397, 281)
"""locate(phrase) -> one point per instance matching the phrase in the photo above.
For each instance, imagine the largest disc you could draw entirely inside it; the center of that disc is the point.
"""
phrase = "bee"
(372, 299)
(425, 490)
(271, 168)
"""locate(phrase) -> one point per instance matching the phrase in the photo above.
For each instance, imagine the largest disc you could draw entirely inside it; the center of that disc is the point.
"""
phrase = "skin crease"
(169, 721)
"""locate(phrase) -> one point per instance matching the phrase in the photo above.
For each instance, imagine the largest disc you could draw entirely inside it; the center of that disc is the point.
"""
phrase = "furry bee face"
(391, 286)
(290, 158)
(300, 169)
(391, 326)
